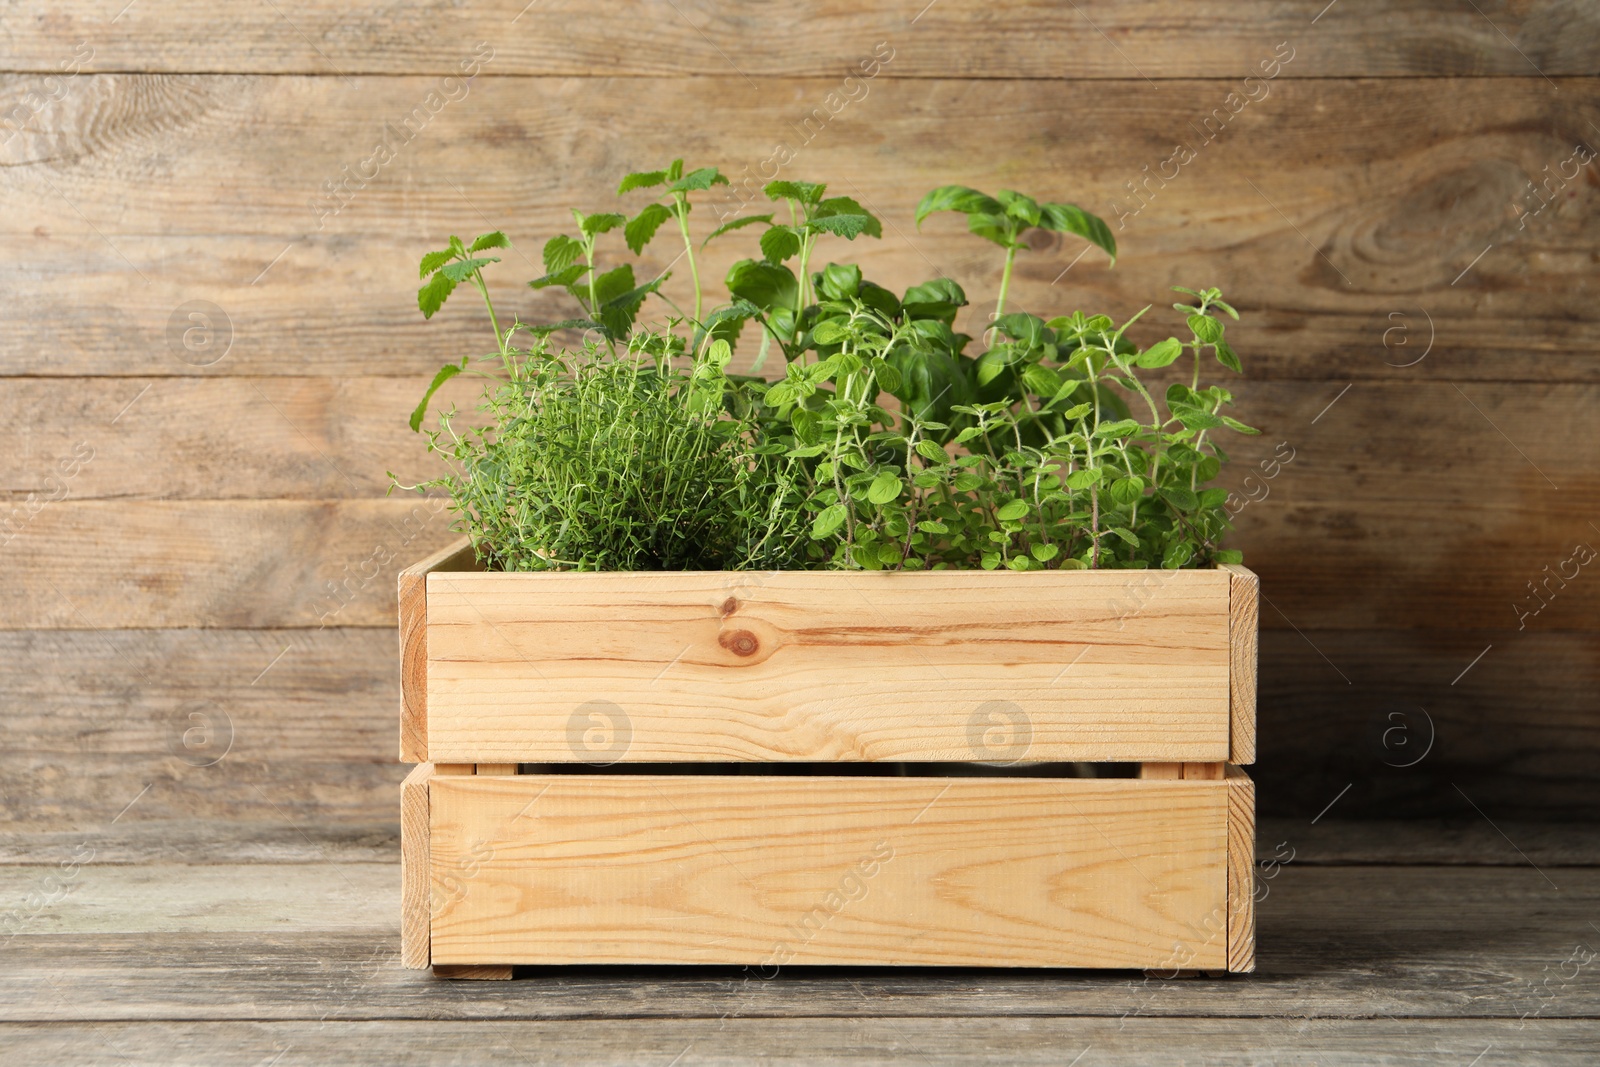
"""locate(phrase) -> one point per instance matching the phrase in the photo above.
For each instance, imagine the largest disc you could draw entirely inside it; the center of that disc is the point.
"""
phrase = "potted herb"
(904, 544)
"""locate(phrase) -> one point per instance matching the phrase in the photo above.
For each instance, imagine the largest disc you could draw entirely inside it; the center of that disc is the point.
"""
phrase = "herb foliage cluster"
(890, 441)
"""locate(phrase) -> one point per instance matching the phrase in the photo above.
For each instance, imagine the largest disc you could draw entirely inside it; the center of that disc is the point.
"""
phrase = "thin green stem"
(682, 214)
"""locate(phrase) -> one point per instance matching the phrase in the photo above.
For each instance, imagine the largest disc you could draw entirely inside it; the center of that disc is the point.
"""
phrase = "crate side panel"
(769, 871)
(829, 666)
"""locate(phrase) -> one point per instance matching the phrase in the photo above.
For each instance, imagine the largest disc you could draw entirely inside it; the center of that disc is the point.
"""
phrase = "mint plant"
(884, 443)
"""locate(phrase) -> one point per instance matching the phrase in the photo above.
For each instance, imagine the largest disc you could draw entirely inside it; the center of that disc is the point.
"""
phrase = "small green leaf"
(565, 276)
(1235, 424)
(463, 269)
(496, 239)
(1229, 555)
(1228, 358)
(643, 179)
(1180, 498)
(780, 243)
(1160, 354)
(1045, 553)
(432, 296)
(766, 285)
(933, 526)
(1125, 491)
(884, 488)
(828, 520)
(1041, 380)
(606, 221)
(561, 252)
(704, 178)
(1195, 418)
(1069, 218)
(446, 372)
(1085, 478)
(736, 224)
(1120, 428)
(805, 192)
(1205, 328)
(433, 261)
(1019, 563)
(1013, 511)
(932, 451)
(958, 198)
(642, 227)
(829, 332)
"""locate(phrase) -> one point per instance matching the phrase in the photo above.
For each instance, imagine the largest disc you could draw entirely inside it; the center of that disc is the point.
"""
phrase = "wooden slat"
(413, 598)
(1344, 194)
(1244, 593)
(1452, 941)
(90, 717)
(484, 972)
(1063, 665)
(1032, 39)
(1241, 871)
(415, 872)
(813, 870)
(1161, 771)
(1126, 1042)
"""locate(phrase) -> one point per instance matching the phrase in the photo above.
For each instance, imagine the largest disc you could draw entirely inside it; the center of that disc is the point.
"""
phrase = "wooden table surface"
(1378, 943)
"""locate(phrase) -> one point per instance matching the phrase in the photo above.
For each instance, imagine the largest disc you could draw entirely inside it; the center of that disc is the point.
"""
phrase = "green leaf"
(1045, 553)
(565, 276)
(847, 226)
(613, 283)
(736, 224)
(1229, 555)
(1019, 563)
(433, 261)
(1228, 358)
(604, 222)
(1160, 354)
(938, 299)
(561, 252)
(989, 561)
(642, 227)
(496, 239)
(1195, 418)
(1125, 491)
(1083, 479)
(838, 281)
(463, 269)
(643, 179)
(1024, 209)
(780, 243)
(1235, 424)
(1120, 428)
(564, 324)
(1069, 218)
(1013, 511)
(1177, 555)
(766, 285)
(932, 451)
(446, 372)
(1207, 329)
(1180, 498)
(958, 198)
(830, 519)
(432, 296)
(704, 178)
(1125, 535)
(1041, 380)
(805, 192)
(884, 488)
(829, 332)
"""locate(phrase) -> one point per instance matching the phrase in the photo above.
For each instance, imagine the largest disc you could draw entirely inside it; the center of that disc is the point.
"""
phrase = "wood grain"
(1244, 620)
(769, 872)
(1373, 198)
(859, 1042)
(1410, 942)
(415, 869)
(1241, 871)
(413, 598)
(1093, 39)
(660, 667)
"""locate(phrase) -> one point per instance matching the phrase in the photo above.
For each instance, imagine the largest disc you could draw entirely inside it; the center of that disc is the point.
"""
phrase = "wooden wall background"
(175, 522)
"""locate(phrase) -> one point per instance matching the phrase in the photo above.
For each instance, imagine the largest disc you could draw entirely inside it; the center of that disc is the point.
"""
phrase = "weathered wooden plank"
(1244, 593)
(1064, 665)
(1340, 235)
(1128, 1043)
(773, 871)
(413, 595)
(1356, 943)
(1410, 722)
(1091, 39)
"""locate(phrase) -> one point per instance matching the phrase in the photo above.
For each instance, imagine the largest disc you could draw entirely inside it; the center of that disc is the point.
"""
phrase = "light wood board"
(777, 871)
(660, 667)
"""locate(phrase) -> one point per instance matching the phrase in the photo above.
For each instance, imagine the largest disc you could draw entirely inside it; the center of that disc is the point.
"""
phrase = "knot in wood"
(739, 642)
(730, 606)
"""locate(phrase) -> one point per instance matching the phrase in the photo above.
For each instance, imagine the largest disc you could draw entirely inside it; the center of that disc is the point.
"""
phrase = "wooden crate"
(765, 870)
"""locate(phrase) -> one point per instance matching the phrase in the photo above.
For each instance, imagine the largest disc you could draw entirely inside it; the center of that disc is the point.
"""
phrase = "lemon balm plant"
(889, 441)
